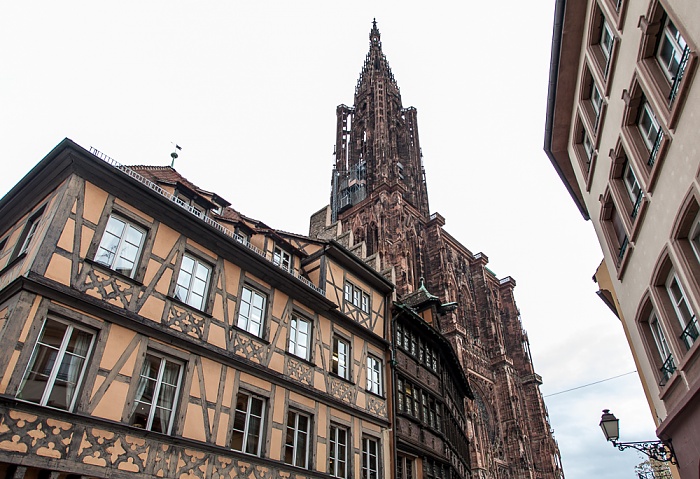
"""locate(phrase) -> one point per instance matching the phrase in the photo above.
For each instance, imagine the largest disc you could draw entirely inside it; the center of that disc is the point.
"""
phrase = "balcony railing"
(637, 204)
(194, 212)
(679, 76)
(690, 333)
(667, 370)
(623, 249)
(655, 150)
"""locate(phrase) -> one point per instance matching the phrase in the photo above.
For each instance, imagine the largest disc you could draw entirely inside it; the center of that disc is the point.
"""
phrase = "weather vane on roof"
(173, 155)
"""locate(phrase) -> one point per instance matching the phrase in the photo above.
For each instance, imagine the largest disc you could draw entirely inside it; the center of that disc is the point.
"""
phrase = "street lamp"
(659, 450)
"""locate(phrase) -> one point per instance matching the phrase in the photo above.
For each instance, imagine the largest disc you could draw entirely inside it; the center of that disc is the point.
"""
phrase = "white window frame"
(629, 178)
(338, 451)
(659, 336)
(340, 363)
(247, 320)
(300, 337)
(122, 247)
(405, 466)
(297, 433)
(187, 281)
(282, 259)
(160, 382)
(596, 99)
(694, 237)
(28, 233)
(681, 306)
(58, 362)
(649, 128)
(370, 458)
(248, 430)
(374, 375)
(587, 144)
(607, 38)
(673, 44)
(356, 296)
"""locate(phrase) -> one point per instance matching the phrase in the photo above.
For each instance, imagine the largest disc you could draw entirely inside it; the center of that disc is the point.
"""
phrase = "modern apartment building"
(622, 123)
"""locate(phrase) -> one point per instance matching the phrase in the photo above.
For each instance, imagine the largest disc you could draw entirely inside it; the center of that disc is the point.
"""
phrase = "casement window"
(694, 237)
(299, 337)
(662, 348)
(340, 363)
(338, 452)
(251, 311)
(248, 424)
(28, 233)
(435, 470)
(282, 259)
(193, 281)
(57, 365)
(596, 99)
(606, 40)
(296, 448)
(683, 310)
(370, 458)
(672, 51)
(588, 147)
(156, 393)
(634, 190)
(120, 247)
(356, 296)
(374, 375)
(404, 467)
(649, 126)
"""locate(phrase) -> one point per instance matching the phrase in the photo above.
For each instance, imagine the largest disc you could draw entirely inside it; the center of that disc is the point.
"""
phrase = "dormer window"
(282, 259)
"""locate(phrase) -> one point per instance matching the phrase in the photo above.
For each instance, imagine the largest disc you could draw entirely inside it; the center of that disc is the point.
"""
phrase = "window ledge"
(12, 263)
(308, 362)
(252, 336)
(341, 378)
(380, 396)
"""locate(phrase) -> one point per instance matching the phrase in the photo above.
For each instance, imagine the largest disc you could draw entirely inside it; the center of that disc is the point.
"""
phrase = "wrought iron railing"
(667, 370)
(675, 86)
(623, 249)
(690, 333)
(637, 204)
(193, 211)
(655, 149)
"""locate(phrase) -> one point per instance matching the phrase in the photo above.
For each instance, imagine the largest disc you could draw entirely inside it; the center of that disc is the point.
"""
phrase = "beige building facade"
(153, 331)
(622, 132)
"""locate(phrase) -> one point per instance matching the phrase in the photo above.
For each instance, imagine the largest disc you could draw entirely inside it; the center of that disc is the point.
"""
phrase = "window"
(296, 449)
(251, 311)
(299, 337)
(657, 333)
(683, 311)
(370, 459)
(404, 467)
(606, 41)
(596, 99)
(648, 126)
(374, 375)
(634, 190)
(588, 146)
(28, 233)
(248, 424)
(341, 353)
(57, 365)
(356, 296)
(193, 281)
(156, 394)
(338, 453)
(672, 50)
(694, 237)
(120, 247)
(282, 259)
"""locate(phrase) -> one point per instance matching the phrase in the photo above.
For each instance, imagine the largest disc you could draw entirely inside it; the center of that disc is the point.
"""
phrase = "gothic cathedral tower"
(379, 203)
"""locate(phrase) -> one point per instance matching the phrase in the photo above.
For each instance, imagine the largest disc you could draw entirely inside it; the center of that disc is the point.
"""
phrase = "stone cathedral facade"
(379, 209)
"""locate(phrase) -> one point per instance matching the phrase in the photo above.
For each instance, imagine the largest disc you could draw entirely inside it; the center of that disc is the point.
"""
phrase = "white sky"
(249, 90)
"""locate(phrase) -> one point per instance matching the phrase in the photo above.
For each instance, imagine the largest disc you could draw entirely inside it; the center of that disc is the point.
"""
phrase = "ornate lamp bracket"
(659, 450)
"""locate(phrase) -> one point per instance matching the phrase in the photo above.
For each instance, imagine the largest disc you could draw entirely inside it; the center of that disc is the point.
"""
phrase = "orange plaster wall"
(117, 342)
(165, 240)
(95, 200)
(59, 269)
(111, 405)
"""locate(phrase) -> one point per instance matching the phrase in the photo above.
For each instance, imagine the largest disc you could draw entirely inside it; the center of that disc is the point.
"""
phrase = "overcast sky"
(249, 91)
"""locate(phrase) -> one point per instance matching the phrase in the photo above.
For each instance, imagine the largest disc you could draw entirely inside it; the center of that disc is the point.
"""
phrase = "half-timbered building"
(151, 330)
